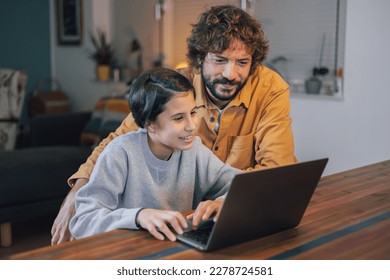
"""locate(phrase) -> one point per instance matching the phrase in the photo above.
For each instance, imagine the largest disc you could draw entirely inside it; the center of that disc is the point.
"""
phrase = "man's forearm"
(79, 183)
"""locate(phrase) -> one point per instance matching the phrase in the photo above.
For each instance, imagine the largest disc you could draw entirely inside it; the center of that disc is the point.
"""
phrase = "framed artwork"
(69, 22)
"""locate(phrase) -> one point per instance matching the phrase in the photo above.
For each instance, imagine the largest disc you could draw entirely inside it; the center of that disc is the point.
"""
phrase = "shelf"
(313, 96)
(298, 90)
(110, 82)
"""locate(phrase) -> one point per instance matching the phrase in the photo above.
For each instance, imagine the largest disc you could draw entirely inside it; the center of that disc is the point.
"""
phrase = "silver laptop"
(259, 203)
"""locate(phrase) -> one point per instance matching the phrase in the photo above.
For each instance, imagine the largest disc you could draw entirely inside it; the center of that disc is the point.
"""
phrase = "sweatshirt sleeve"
(97, 202)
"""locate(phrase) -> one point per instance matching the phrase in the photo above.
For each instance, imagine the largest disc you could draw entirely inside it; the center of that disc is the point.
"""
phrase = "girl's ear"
(150, 127)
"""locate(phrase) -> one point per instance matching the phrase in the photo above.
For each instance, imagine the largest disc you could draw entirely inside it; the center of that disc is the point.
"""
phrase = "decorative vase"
(103, 72)
(313, 85)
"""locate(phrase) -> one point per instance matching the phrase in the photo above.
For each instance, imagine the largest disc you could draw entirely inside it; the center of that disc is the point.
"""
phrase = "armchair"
(12, 93)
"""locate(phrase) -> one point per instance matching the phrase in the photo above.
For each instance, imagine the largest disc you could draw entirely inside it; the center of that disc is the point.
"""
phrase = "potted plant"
(314, 84)
(103, 54)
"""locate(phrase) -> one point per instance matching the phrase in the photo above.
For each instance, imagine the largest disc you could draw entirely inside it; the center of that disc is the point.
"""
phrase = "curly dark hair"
(218, 27)
(152, 90)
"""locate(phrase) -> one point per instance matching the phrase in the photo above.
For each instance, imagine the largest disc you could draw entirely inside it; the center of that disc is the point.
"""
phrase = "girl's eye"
(178, 118)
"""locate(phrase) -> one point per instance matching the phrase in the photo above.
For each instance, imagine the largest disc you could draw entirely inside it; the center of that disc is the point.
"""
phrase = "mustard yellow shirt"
(254, 128)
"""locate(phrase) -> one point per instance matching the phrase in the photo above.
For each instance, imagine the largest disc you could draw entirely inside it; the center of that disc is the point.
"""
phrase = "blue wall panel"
(25, 38)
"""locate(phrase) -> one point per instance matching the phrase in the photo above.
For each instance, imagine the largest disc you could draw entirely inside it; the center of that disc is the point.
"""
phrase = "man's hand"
(60, 230)
(205, 210)
(160, 223)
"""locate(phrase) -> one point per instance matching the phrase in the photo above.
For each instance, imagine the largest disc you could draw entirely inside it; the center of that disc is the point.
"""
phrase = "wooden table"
(348, 218)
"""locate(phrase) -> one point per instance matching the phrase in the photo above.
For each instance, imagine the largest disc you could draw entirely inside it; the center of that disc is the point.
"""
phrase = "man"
(243, 107)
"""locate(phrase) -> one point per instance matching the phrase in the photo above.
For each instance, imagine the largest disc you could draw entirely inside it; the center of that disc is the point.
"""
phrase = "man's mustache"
(225, 81)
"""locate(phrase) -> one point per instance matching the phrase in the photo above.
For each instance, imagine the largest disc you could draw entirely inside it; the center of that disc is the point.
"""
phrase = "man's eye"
(193, 113)
(243, 63)
(217, 60)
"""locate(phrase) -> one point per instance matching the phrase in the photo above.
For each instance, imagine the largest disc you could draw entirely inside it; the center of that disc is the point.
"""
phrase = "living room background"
(352, 132)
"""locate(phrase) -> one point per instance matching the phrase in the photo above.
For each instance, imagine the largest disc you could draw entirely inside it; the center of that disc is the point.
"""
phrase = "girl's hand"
(162, 222)
(205, 210)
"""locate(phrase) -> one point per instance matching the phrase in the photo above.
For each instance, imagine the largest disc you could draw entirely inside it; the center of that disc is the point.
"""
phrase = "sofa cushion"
(37, 174)
(55, 130)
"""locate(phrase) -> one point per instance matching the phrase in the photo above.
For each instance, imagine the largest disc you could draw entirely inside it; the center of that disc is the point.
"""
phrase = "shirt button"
(216, 148)
(212, 119)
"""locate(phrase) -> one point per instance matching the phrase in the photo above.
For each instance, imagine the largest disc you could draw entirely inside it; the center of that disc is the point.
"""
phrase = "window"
(304, 34)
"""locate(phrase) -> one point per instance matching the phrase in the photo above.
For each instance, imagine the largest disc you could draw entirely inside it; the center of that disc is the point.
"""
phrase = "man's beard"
(210, 85)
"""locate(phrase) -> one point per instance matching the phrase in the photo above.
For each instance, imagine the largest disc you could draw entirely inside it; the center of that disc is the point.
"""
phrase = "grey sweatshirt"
(127, 177)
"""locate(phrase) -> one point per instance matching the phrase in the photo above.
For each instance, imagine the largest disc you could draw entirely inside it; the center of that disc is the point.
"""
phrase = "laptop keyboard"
(200, 235)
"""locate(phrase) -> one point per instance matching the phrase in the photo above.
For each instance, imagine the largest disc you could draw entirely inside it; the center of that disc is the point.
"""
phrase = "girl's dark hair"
(152, 90)
(218, 27)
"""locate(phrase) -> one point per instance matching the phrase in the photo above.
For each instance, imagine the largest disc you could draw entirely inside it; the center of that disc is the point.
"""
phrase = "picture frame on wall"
(69, 22)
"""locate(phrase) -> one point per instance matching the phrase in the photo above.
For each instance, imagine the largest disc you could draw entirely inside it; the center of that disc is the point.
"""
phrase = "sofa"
(33, 178)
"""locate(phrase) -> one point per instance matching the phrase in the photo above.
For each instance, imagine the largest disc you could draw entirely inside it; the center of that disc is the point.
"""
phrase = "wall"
(136, 20)
(71, 64)
(25, 39)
